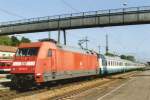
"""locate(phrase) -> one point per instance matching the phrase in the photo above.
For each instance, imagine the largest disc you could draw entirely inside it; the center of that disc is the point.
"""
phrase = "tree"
(110, 54)
(148, 63)
(129, 57)
(14, 41)
(123, 57)
(25, 40)
(5, 40)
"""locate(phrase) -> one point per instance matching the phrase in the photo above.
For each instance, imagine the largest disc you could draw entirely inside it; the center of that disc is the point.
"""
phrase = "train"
(40, 62)
(112, 65)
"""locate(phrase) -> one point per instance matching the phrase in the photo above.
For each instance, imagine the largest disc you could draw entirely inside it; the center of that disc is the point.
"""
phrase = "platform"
(3, 78)
(3, 75)
(135, 88)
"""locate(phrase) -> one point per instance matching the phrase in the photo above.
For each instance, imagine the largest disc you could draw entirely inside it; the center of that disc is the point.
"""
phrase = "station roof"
(4, 48)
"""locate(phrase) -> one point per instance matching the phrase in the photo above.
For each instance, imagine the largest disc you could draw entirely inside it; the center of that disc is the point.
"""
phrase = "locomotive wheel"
(21, 82)
(14, 83)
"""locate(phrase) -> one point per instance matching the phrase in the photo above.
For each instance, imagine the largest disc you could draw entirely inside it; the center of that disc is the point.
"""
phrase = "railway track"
(63, 91)
(12, 94)
(103, 85)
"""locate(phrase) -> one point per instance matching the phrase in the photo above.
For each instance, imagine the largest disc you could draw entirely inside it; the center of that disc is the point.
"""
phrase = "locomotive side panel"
(71, 64)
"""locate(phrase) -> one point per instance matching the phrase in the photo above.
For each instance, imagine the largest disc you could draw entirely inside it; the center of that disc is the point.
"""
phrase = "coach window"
(109, 63)
(112, 63)
(49, 53)
(117, 63)
(120, 63)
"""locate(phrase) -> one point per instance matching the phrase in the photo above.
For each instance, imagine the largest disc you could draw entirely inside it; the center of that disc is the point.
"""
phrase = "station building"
(7, 52)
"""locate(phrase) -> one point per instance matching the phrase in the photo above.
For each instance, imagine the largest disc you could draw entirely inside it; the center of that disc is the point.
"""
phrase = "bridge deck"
(102, 18)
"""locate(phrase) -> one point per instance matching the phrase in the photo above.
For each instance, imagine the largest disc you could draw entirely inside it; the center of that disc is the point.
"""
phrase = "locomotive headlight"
(38, 74)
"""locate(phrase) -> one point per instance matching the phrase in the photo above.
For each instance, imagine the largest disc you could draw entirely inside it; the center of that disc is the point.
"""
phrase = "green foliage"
(110, 54)
(5, 40)
(148, 63)
(130, 58)
(13, 40)
(25, 40)
(123, 57)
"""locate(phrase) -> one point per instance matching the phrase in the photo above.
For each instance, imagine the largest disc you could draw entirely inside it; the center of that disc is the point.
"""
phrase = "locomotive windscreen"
(27, 52)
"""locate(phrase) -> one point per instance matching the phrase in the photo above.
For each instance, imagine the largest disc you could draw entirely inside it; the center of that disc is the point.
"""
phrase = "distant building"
(7, 52)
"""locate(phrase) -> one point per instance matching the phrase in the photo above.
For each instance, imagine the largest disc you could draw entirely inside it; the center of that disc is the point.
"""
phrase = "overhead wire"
(11, 13)
(69, 5)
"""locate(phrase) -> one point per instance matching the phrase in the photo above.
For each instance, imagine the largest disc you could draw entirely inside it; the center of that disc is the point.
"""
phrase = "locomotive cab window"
(49, 53)
(27, 52)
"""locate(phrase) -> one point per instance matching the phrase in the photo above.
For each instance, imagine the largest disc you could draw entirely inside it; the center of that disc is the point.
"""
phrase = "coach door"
(53, 61)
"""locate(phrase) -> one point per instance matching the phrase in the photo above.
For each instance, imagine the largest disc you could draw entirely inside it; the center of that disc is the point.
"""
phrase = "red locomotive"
(40, 62)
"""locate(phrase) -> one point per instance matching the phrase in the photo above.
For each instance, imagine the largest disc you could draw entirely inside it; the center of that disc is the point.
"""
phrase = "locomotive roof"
(37, 44)
(29, 45)
(75, 49)
(54, 46)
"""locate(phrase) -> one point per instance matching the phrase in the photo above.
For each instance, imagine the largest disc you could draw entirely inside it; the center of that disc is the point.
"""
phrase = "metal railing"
(76, 15)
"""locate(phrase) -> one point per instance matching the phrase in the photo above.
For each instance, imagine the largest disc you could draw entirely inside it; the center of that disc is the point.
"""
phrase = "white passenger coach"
(109, 65)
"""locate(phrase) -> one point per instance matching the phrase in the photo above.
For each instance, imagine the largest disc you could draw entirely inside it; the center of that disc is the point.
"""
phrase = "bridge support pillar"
(58, 37)
(64, 37)
(65, 41)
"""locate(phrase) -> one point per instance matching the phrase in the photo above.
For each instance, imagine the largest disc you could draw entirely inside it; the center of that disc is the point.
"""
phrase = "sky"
(132, 40)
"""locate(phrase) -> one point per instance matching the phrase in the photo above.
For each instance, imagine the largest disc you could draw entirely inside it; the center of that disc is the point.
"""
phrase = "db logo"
(22, 69)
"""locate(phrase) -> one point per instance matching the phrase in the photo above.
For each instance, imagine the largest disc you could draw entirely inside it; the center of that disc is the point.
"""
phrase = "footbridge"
(101, 18)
